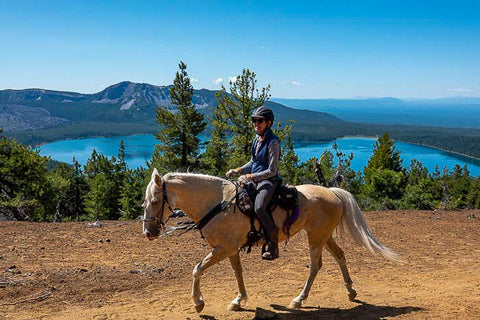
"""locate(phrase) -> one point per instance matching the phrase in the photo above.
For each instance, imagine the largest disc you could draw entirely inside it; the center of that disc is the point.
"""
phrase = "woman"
(262, 170)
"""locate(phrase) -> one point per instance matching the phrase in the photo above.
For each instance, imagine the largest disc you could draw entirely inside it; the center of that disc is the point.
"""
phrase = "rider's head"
(262, 119)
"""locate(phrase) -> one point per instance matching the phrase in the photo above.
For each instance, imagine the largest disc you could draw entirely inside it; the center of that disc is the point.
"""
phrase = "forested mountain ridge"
(35, 116)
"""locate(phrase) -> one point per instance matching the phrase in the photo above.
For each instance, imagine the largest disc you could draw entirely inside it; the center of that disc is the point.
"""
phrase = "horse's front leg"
(215, 256)
(315, 265)
(242, 293)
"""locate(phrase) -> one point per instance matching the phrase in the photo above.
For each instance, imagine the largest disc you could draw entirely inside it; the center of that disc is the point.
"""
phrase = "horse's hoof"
(199, 307)
(294, 305)
(234, 307)
(352, 294)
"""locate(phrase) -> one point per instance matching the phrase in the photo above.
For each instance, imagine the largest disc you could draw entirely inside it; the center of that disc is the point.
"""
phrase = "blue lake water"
(139, 149)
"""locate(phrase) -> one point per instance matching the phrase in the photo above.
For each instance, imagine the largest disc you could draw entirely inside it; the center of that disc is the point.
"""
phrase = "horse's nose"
(147, 234)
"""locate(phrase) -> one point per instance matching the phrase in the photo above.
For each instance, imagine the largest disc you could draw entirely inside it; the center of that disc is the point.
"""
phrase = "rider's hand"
(246, 177)
(232, 172)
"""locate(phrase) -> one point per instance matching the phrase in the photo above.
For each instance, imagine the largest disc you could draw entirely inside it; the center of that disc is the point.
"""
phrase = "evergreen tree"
(103, 198)
(122, 164)
(25, 190)
(384, 176)
(419, 191)
(217, 153)
(235, 108)
(288, 163)
(98, 203)
(70, 189)
(473, 196)
(179, 130)
(459, 186)
(131, 194)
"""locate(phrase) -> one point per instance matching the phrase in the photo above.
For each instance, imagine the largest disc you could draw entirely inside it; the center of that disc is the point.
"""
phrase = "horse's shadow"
(362, 311)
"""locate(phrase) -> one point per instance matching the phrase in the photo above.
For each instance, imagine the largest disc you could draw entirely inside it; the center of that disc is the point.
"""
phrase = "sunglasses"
(257, 120)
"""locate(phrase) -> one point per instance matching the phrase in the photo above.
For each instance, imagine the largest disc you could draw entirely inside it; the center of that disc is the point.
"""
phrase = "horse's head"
(154, 206)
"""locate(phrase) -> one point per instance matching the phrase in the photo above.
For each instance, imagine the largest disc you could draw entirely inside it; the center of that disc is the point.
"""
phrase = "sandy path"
(112, 273)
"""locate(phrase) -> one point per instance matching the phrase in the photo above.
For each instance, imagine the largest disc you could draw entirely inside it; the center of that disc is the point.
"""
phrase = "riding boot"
(272, 240)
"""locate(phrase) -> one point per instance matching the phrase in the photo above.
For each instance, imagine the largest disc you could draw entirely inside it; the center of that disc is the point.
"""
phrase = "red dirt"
(71, 271)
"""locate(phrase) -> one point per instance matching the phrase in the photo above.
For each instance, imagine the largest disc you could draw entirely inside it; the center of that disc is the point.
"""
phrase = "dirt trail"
(72, 271)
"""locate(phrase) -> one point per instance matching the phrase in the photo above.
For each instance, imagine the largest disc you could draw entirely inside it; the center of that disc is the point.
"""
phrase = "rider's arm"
(273, 156)
(247, 167)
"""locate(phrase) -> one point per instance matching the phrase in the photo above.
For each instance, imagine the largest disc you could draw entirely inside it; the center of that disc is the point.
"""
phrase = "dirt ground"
(73, 271)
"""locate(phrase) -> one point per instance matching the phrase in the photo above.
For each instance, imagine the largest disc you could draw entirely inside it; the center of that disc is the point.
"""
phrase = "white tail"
(355, 222)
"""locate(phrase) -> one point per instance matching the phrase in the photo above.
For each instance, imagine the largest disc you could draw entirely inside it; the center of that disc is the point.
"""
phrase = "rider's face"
(259, 124)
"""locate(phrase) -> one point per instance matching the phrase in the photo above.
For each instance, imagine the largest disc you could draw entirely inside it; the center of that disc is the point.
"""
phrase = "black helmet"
(263, 112)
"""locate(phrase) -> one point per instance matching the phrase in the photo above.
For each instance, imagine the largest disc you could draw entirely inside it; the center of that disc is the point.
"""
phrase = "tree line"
(33, 187)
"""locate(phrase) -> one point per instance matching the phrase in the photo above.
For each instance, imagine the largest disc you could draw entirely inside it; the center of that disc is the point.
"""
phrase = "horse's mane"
(197, 176)
(150, 191)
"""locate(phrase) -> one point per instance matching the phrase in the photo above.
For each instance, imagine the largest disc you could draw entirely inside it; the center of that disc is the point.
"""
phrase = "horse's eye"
(154, 202)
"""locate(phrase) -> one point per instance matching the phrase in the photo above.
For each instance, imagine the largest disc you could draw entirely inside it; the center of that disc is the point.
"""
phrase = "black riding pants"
(265, 191)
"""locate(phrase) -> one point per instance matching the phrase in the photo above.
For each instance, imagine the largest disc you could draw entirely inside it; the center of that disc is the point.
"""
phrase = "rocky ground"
(77, 271)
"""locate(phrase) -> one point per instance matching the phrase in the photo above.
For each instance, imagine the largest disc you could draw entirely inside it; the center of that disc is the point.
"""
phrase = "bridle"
(159, 221)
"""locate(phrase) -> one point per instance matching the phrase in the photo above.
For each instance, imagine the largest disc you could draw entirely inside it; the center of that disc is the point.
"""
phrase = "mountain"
(444, 112)
(124, 101)
(35, 116)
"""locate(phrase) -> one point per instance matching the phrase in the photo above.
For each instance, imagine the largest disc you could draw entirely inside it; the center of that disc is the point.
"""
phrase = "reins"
(224, 204)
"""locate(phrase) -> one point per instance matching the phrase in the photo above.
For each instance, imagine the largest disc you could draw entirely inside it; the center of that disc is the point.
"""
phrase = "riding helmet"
(263, 112)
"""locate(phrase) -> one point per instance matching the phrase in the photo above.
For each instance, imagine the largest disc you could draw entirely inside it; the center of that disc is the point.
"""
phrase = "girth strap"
(211, 214)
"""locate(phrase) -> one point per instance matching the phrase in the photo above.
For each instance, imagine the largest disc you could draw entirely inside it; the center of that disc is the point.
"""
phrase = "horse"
(322, 210)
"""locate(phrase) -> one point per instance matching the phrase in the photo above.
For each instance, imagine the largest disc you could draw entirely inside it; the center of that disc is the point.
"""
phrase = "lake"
(139, 148)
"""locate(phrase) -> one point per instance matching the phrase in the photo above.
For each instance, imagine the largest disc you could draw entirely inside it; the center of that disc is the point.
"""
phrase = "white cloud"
(218, 81)
(295, 83)
(194, 80)
(282, 83)
(232, 79)
(459, 90)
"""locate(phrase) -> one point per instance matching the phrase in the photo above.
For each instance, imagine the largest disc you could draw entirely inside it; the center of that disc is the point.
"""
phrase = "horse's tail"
(355, 222)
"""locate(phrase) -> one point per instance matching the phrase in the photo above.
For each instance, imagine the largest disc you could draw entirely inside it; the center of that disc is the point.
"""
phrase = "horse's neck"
(197, 197)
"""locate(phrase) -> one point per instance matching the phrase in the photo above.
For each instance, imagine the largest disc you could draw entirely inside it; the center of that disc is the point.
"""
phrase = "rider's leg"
(265, 191)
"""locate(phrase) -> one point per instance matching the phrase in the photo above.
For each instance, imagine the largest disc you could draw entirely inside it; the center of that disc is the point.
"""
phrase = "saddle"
(285, 196)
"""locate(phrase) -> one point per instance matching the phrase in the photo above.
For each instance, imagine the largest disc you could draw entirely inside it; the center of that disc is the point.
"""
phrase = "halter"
(159, 221)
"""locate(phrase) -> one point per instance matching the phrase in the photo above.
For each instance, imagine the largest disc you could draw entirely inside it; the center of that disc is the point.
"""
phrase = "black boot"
(272, 241)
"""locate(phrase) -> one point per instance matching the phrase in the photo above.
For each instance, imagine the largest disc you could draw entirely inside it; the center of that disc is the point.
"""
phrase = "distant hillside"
(443, 112)
(35, 116)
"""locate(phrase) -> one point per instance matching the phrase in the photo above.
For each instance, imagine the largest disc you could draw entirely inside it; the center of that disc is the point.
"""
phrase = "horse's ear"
(156, 177)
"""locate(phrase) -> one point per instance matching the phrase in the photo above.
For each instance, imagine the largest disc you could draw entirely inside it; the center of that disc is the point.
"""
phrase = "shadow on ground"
(363, 311)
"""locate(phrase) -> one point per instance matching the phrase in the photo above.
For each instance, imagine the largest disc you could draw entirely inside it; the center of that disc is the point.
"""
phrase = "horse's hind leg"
(242, 293)
(338, 254)
(215, 256)
(316, 248)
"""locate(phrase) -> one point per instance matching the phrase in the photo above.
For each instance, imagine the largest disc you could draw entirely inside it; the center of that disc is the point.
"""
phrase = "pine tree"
(103, 198)
(420, 188)
(473, 197)
(235, 108)
(288, 163)
(25, 190)
(384, 156)
(131, 194)
(179, 130)
(122, 164)
(384, 175)
(216, 157)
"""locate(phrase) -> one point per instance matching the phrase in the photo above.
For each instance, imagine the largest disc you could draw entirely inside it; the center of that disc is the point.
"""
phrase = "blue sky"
(303, 49)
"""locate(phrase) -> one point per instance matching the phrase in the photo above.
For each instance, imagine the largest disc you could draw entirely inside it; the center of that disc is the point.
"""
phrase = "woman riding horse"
(262, 172)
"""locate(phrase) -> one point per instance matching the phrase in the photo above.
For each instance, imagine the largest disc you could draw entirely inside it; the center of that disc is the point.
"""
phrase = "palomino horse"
(321, 212)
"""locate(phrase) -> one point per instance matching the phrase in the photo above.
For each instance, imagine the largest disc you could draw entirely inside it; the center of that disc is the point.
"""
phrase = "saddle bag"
(287, 197)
